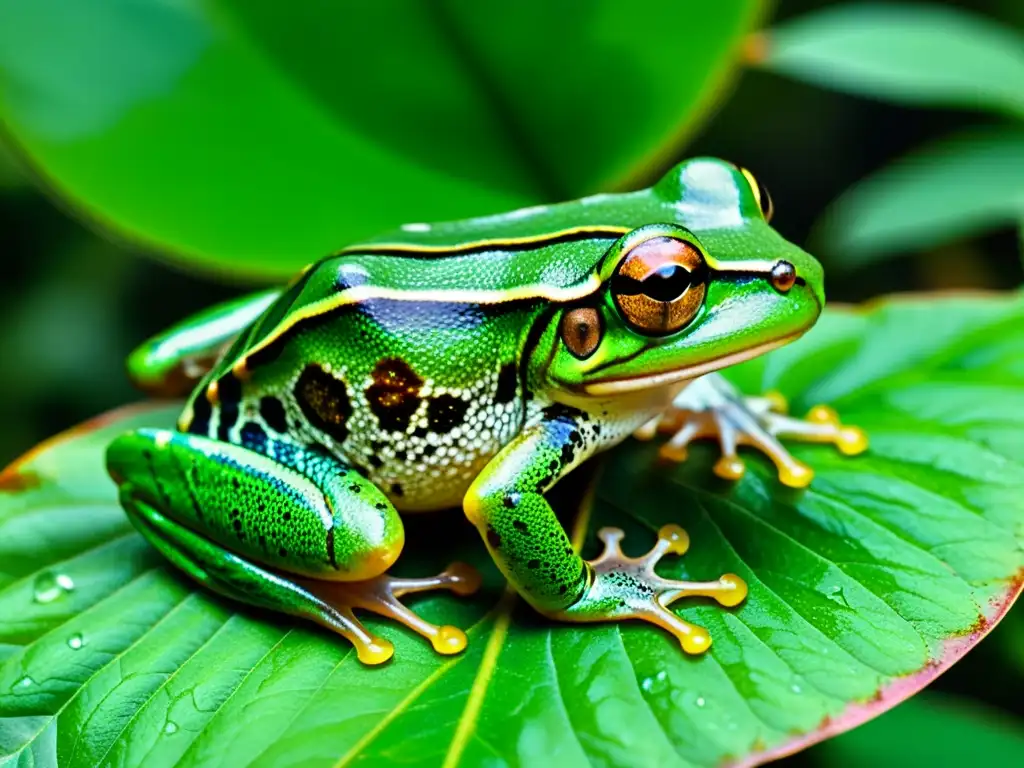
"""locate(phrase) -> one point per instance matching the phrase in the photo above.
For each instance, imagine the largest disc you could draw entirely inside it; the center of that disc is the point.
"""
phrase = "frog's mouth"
(605, 387)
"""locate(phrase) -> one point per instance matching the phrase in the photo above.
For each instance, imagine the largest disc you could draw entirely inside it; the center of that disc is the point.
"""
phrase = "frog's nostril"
(783, 276)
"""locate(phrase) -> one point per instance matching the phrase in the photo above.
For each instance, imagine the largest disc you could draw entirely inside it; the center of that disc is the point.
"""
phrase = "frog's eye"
(660, 285)
(764, 200)
(581, 331)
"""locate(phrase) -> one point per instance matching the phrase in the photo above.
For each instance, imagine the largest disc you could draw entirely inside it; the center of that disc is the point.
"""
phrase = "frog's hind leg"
(329, 604)
(171, 363)
(711, 408)
(237, 578)
(287, 529)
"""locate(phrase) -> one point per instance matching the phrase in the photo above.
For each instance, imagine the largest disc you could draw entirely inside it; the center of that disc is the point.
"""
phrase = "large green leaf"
(10, 177)
(910, 54)
(960, 186)
(256, 136)
(863, 589)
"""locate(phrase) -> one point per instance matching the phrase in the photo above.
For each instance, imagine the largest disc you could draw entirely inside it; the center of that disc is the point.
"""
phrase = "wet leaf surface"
(862, 589)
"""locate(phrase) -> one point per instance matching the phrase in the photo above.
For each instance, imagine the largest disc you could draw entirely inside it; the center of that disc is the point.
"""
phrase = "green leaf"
(930, 730)
(920, 54)
(960, 186)
(862, 590)
(256, 137)
(11, 177)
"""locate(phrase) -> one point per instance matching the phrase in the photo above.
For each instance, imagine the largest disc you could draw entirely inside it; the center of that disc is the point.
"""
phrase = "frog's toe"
(628, 588)
(370, 648)
(757, 422)
(822, 425)
(730, 467)
(771, 401)
(792, 472)
(718, 423)
(381, 595)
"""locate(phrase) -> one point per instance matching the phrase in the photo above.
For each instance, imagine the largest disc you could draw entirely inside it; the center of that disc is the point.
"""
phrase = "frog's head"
(707, 283)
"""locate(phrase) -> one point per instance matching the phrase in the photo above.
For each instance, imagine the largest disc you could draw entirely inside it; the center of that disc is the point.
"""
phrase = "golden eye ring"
(660, 285)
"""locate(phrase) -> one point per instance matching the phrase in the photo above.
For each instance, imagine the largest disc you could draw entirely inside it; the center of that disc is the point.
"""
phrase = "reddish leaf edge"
(899, 689)
(19, 476)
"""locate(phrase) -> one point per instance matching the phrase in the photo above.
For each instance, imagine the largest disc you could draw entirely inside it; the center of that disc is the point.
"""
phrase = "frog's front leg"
(711, 407)
(299, 533)
(532, 550)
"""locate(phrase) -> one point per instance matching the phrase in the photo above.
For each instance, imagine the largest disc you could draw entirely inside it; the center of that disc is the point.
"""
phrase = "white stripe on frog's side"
(487, 244)
(362, 293)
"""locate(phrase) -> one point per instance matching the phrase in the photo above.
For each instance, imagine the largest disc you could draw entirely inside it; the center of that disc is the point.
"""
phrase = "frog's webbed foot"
(714, 410)
(628, 588)
(381, 595)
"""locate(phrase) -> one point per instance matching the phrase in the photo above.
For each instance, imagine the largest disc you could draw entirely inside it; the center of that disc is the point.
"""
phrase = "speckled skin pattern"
(429, 368)
(389, 405)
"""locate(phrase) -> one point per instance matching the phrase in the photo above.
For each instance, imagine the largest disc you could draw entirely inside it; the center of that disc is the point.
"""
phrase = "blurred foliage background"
(941, 209)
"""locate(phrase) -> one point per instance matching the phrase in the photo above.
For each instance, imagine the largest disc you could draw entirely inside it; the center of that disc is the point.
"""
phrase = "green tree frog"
(473, 364)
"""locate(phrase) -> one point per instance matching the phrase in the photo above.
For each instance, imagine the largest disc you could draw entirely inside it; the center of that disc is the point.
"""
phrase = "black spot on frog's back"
(506, 390)
(324, 401)
(201, 414)
(273, 414)
(445, 412)
(229, 396)
(394, 395)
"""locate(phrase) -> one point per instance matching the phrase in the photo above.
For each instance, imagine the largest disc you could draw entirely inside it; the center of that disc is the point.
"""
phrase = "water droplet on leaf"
(700, 701)
(50, 586)
(76, 641)
(170, 727)
(655, 684)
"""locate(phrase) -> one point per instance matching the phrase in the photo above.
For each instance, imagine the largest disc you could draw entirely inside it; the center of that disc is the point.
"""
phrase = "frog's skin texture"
(472, 363)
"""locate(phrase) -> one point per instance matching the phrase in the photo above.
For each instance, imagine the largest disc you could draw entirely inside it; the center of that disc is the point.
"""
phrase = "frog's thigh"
(221, 513)
(525, 538)
(305, 513)
(236, 578)
(170, 363)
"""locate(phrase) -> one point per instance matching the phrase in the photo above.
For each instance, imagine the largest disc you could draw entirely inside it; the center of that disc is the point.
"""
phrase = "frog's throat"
(633, 383)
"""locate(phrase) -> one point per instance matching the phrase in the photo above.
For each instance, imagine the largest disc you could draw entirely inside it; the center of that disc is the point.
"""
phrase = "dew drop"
(700, 701)
(76, 641)
(50, 586)
(170, 727)
(26, 682)
(796, 688)
(655, 684)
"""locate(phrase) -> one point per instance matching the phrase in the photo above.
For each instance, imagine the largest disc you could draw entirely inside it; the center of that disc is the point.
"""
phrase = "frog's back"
(416, 391)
